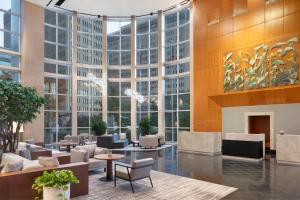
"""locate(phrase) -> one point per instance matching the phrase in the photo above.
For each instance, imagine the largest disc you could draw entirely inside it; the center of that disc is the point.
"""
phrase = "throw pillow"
(31, 164)
(25, 153)
(123, 136)
(48, 161)
(12, 166)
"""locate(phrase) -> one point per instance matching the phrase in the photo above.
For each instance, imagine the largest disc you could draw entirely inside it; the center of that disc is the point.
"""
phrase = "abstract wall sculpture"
(284, 63)
(265, 67)
(233, 78)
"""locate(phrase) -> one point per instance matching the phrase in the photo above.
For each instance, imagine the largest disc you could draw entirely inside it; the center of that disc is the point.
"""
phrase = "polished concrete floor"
(265, 180)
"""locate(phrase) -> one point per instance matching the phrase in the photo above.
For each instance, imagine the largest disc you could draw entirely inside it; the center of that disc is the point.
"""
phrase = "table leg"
(109, 170)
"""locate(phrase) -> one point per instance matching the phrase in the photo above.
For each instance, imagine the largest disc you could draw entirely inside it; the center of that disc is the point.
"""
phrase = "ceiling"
(113, 7)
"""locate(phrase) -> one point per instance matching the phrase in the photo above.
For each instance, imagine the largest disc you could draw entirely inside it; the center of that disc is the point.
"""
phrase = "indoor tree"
(19, 105)
(98, 126)
(145, 126)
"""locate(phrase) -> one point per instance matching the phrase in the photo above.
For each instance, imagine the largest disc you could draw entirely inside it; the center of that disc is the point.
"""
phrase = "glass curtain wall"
(176, 73)
(10, 39)
(147, 71)
(89, 72)
(58, 80)
(57, 76)
(119, 76)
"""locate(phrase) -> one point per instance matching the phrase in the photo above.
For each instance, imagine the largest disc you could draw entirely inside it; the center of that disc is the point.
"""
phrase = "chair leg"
(115, 181)
(131, 187)
(150, 181)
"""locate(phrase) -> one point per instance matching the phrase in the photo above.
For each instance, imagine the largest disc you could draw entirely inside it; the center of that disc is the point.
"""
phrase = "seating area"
(155, 100)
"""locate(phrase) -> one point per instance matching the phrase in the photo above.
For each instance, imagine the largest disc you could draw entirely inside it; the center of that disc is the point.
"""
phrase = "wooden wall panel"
(262, 22)
(32, 61)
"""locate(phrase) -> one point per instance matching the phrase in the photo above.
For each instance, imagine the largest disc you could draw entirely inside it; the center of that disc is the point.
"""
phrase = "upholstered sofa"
(112, 141)
(86, 153)
(149, 141)
(17, 184)
(35, 150)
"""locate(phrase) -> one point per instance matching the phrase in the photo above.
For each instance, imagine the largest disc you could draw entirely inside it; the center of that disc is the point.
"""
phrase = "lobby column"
(133, 86)
(74, 73)
(32, 61)
(104, 70)
(161, 114)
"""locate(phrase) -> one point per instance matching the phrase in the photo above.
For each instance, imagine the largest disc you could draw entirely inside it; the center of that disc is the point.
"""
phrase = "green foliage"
(18, 104)
(55, 179)
(145, 126)
(98, 126)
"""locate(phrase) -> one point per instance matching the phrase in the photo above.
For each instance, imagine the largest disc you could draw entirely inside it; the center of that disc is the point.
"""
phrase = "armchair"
(86, 153)
(149, 141)
(139, 169)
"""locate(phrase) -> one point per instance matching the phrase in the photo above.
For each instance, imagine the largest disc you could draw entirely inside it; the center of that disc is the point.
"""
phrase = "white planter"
(56, 193)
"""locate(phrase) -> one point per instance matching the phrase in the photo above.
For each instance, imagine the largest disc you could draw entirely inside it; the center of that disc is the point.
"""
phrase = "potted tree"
(145, 126)
(19, 105)
(55, 185)
(98, 126)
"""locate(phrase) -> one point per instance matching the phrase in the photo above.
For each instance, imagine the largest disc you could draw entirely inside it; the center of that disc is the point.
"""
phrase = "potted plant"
(18, 105)
(55, 185)
(98, 126)
(145, 126)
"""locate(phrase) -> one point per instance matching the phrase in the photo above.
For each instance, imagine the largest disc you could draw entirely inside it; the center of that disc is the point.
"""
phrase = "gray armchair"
(139, 169)
(86, 153)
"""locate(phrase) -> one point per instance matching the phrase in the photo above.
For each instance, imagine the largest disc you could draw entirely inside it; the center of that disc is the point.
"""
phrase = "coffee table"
(109, 158)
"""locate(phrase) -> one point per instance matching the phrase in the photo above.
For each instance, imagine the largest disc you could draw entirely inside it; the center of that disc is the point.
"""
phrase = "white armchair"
(86, 153)
(149, 141)
(139, 169)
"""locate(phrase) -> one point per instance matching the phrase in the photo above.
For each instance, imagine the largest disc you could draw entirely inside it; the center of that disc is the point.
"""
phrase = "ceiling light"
(178, 5)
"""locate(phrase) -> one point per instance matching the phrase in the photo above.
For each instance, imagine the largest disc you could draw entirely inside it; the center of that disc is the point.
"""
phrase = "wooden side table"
(109, 158)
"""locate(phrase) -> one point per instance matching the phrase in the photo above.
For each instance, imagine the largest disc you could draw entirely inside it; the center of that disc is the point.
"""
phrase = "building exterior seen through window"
(10, 40)
(114, 81)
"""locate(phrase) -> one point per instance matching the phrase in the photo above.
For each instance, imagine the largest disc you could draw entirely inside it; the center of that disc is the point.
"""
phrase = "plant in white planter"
(55, 185)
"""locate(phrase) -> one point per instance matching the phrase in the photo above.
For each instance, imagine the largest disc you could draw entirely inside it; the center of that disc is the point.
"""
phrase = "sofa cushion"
(99, 150)
(31, 164)
(122, 172)
(90, 149)
(48, 161)
(10, 157)
(12, 166)
(79, 155)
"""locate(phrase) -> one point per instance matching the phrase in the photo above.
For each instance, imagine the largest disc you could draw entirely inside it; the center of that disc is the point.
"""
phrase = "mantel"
(278, 95)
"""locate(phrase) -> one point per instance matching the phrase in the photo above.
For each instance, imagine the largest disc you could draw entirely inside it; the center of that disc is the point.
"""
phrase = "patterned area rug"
(131, 148)
(166, 186)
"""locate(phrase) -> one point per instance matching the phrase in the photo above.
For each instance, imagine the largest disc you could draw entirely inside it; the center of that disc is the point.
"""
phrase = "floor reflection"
(265, 180)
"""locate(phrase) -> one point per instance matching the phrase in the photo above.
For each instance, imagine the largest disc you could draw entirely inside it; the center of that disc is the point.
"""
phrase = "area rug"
(131, 148)
(166, 187)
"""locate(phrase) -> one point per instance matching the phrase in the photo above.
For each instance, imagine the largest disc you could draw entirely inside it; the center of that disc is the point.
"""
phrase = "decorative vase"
(50, 193)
